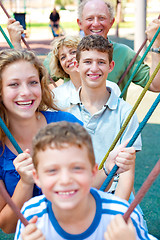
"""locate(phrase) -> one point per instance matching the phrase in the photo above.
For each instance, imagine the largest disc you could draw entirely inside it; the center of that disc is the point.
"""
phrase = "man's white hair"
(108, 4)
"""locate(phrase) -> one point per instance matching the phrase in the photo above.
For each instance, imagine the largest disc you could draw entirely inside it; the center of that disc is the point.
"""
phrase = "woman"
(25, 97)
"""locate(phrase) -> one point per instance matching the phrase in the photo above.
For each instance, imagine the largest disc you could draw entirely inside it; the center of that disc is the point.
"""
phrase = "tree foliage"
(64, 3)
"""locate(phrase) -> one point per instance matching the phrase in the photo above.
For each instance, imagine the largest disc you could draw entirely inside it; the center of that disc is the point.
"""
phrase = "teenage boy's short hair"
(94, 42)
(59, 135)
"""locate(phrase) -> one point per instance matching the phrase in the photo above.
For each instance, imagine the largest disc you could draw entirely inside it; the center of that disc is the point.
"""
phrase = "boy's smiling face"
(65, 176)
(94, 68)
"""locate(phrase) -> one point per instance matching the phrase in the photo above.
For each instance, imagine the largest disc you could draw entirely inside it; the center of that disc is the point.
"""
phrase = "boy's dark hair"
(95, 42)
(60, 135)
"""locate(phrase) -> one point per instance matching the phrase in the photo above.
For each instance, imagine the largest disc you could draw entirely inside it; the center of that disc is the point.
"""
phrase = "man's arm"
(151, 30)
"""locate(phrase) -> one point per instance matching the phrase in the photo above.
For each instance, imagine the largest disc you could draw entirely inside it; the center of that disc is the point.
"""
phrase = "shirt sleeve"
(122, 56)
(131, 129)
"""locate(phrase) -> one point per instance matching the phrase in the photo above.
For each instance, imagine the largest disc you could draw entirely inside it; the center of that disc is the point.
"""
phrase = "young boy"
(65, 169)
(101, 111)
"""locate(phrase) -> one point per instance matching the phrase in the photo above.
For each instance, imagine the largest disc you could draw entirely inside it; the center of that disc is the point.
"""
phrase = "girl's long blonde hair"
(10, 56)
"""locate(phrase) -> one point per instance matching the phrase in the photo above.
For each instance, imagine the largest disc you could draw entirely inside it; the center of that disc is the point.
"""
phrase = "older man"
(97, 17)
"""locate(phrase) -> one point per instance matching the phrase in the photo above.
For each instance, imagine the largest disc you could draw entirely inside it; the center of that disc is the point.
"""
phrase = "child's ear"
(111, 66)
(111, 23)
(76, 65)
(36, 178)
(79, 23)
(95, 169)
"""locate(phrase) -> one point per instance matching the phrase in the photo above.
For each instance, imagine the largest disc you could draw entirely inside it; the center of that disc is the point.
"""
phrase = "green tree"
(64, 3)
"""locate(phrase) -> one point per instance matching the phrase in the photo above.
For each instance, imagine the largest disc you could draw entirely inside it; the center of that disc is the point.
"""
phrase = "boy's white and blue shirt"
(107, 206)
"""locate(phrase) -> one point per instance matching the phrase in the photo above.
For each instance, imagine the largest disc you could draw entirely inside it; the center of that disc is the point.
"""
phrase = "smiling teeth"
(24, 103)
(93, 75)
(96, 31)
(66, 193)
(70, 65)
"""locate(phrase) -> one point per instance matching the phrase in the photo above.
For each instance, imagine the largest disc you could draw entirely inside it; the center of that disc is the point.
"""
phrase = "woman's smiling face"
(67, 58)
(21, 89)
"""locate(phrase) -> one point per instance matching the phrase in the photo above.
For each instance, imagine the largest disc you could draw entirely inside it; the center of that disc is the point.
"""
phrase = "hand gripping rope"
(11, 45)
(136, 134)
(12, 139)
(130, 115)
(3, 191)
(13, 206)
(5, 11)
(6, 38)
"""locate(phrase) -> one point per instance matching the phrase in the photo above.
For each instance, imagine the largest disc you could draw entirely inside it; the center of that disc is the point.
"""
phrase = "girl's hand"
(15, 30)
(24, 166)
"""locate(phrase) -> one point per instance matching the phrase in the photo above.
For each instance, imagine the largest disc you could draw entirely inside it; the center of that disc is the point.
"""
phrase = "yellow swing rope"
(130, 114)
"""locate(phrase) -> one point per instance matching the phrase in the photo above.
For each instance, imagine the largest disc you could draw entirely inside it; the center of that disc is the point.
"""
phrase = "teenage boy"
(65, 169)
(97, 17)
(101, 111)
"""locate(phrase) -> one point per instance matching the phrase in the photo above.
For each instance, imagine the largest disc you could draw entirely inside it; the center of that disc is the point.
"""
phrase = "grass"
(73, 25)
(145, 161)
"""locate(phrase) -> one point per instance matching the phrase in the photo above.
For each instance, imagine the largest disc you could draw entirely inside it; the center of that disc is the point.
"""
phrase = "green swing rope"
(5, 11)
(132, 61)
(6, 38)
(138, 101)
(139, 63)
(130, 114)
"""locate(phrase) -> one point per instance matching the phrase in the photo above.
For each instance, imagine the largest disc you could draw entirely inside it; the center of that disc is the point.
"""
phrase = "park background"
(39, 37)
